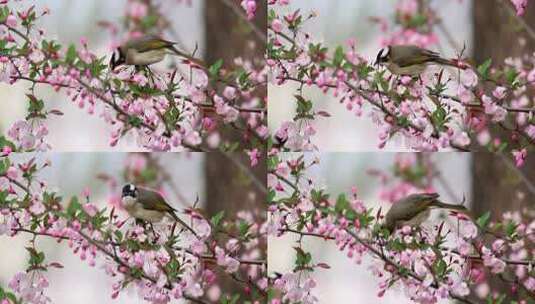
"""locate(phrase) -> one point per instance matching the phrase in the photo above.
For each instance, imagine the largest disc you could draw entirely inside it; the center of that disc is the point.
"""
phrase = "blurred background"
(456, 177)
(485, 27)
(183, 179)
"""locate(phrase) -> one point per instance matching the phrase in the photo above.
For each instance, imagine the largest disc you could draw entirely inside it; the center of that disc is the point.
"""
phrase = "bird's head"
(383, 56)
(117, 58)
(130, 190)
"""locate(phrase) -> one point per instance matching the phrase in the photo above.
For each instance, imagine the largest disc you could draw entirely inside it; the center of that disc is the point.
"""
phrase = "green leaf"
(510, 229)
(439, 118)
(338, 56)
(484, 220)
(440, 268)
(216, 219)
(341, 203)
(302, 258)
(36, 257)
(511, 75)
(71, 54)
(35, 105)
(135, 121)
(303, 106)
(243, 228)
(74, 207)
(118, 235)
(12, 297)
(215, 68)
(484, 68)
(4, 165)
(273, 162)
(4, 13)
(270, 197)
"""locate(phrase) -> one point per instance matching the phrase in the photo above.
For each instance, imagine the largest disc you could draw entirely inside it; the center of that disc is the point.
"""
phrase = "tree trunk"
(229, 187)
(497, 186)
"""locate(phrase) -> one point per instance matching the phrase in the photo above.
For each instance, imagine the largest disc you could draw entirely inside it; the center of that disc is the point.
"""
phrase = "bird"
(411, 60)
(146, 50)
(414, 209)
(148, 205)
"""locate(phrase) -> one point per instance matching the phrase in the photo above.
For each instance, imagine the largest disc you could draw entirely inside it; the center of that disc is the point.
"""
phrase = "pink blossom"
(520, 6)
(12, 173)
(254, 156)
(137, 9)
(11, 21)
(250, 8)
(230, 93)
(276, 25)
(408, 7)
(469, 78)
(520, 156)
(37, 208)
(499, 92)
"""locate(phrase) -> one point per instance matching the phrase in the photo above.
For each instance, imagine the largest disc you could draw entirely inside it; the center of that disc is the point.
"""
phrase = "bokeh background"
(347, 282)
(67, 23)
(72, 173)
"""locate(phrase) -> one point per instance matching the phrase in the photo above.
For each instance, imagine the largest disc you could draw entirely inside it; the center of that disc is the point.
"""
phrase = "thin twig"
(260, 33)
(529, 185)
(529, 30)
(247, 170)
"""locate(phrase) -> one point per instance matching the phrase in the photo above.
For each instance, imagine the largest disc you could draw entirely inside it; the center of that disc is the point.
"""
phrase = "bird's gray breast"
(134, 57)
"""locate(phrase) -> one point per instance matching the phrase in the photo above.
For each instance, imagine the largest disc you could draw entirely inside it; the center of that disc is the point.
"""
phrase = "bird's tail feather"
(182, 223)
(197, 61)
(442, 205)
(452, 207)
(450, 62)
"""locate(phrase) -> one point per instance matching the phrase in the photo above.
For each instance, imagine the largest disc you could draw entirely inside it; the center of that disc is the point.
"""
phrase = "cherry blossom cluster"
(450, 259)
(162, 262)
(184, 107)
(469, 107)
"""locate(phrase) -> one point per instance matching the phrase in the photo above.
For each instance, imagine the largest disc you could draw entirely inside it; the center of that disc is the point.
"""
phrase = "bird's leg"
(143, 224)
(173, 229)
(140, 222)
(156, 236)
(151, 75)
(138, 68)
(419, 231)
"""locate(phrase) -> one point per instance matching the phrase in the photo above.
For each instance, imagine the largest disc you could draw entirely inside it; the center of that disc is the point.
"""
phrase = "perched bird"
(411, 60)
(414, 209)
(146, 50)
(148, 205)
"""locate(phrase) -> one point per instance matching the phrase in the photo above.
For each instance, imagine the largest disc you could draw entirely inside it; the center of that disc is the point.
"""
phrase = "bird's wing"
(148, 43)
(412, 55)
(154, 200)
(412, 210)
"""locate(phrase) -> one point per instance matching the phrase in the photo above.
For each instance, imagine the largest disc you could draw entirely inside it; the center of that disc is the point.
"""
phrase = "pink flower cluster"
(29, 135)
(30, 288)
